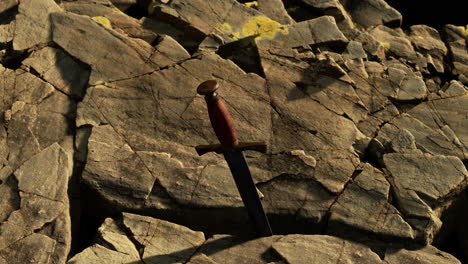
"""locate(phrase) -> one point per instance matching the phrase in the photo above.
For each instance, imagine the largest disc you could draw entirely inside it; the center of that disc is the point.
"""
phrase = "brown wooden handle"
(221, 121)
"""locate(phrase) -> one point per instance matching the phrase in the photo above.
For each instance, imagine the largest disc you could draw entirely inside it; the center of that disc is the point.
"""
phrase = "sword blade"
(248, 192)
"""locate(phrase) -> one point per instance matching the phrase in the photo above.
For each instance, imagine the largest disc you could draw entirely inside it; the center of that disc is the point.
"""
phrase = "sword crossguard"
(218, 148)
(222, 124)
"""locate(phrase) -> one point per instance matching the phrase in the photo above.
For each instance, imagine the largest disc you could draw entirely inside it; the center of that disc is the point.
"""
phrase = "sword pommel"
(220, 118)
(208, 87)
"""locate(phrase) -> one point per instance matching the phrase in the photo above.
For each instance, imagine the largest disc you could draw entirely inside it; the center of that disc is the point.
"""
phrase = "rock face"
(365, 124)
(35, 214)
(164, 242)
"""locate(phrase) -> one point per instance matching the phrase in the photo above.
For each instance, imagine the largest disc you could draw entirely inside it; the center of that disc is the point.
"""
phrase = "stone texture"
(60, 70)
(136, 238)
(316, 32)
(163, 242)
(370, 13)
(394, 41)
(364, 204)
(422, 183)
(106, 11)
(33, 23)
(36, 116)
(41, 183)
(324, 249)
(7, 4)
(436, 125)
(333, 8)
(427, 40)
(100, 254)
(453, 89)
(425, 255)
(228, 249)
(7, 32)
(154, 146)
(275, 10)
(114, 246)
(103, 63)
(456, 42)
(365, 125)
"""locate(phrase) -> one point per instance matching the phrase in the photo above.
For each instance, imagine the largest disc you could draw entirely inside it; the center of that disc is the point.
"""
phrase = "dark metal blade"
(241, 173)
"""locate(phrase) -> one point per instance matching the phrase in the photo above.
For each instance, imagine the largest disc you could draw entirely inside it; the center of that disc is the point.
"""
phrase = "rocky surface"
(120, 240)
(365, 123)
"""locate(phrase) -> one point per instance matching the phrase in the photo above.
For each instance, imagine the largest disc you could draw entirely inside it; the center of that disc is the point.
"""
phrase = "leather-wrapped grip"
(221, 122)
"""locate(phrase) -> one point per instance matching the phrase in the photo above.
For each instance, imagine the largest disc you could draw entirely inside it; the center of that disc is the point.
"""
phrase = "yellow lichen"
(251, 4)
(226, 28)
(420, 37)
(103, 21)
(100, 84)
(386, 46)
(263, 27)
(464, 29)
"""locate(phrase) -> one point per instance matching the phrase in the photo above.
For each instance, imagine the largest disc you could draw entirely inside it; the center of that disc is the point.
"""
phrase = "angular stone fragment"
(404, 142)
(371, 45)
(7, 4)
(428, 41)
(426, 255)
(302, 249)
(97, 254)
(438, 126)
(315, 32)
(7, 32)
(332, 8)
(201, 259)
(109, 14)
(364, 206)
(398, 81)
(42, 185)
(368, 13)
(33, 25)
(111, 159)
(35, 248)
(208, 186)
(303, 198)
(168, 52)
(38, 116)
(60, 70)
(123, 240)
(189, 39)
(453, 89)
(456, 41)
(163, 242)
(354, 50)
(69, 31)
(409, 86)
(228, 19)
(394, 41)
(422, 183)
(231, 250)
(113, 237)
(275, 10)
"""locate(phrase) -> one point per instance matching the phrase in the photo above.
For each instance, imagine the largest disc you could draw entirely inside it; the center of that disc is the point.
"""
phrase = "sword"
(231, 148)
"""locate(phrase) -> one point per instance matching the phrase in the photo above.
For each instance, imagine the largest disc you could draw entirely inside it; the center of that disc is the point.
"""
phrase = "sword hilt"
(222, 123)
(220, 118)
